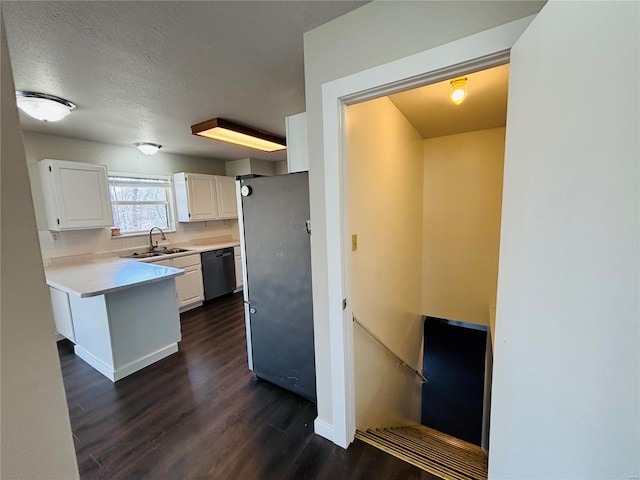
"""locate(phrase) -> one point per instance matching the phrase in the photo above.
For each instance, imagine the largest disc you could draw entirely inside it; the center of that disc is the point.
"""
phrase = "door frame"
(476, 52)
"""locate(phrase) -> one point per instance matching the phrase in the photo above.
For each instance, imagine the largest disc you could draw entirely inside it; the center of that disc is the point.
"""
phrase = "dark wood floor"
(201, 414)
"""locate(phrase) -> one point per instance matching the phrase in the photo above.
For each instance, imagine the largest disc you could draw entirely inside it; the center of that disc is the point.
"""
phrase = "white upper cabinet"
(76, 195)
(201, 197)
(196, 197)
(227, 203)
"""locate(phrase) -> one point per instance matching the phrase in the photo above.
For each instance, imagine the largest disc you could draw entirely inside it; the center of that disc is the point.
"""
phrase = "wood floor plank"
(201, 414)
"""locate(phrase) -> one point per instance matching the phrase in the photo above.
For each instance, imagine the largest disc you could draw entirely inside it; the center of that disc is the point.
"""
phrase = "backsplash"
(98, 241)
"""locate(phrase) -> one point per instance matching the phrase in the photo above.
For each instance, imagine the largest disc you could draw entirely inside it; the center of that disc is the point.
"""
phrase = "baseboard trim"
(145, 361)
(95, 362)
(191, 306)
(324, 429)
(139, 364)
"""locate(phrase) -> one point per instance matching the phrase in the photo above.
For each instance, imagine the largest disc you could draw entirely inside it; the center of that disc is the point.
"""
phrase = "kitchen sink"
(174, 250)
(161, 253)
(146, 255)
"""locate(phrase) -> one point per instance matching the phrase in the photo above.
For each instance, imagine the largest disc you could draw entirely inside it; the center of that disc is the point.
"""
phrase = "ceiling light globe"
(148, 148)
(458, 90)
(43, 107)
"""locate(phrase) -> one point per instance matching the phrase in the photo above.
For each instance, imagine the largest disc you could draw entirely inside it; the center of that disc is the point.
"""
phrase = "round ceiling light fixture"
(148, 148)
(458, 90)
(44, 107)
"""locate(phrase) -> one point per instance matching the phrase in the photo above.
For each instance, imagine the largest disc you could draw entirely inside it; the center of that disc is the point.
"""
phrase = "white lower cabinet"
(189, 288)
(62, 313)
(238, 261)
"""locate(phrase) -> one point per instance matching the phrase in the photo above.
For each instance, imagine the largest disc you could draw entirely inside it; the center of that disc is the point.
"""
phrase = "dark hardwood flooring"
(200, 413)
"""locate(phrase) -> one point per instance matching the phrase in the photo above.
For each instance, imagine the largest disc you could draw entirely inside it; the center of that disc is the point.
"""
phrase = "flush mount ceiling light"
(43, 106)
(458, 90)
(148, 148)
(229, 132)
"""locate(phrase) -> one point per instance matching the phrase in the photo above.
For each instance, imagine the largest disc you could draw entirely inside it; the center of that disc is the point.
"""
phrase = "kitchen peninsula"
(124, 313)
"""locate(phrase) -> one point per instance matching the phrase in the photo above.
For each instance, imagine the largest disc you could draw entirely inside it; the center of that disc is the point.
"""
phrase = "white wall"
(385, 163)
(566, 382)
(461, 224)
(248, 166)
(121, 159)
(241, 166)
(35, 439)
(361, 39)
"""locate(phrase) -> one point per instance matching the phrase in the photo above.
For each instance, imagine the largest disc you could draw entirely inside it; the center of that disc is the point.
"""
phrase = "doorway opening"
(423, 196)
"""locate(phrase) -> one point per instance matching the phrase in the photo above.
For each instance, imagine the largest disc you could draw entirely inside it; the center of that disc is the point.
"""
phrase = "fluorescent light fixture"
(42, 106)
(148, 148)
(458, 90)
(229, 132)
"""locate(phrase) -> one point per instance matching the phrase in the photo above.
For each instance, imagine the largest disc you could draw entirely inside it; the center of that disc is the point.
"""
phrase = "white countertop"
(111, 275)
(193, 248)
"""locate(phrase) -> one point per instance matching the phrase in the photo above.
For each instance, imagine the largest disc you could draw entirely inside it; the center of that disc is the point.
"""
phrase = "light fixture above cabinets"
(229, 132)
(42, 106)
(148, 148)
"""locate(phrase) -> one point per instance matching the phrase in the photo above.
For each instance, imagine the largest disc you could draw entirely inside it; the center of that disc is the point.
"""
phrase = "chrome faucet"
(151, 247)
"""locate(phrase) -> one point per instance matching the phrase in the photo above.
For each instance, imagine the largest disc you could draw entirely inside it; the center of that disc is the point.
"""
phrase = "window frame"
(171, 212)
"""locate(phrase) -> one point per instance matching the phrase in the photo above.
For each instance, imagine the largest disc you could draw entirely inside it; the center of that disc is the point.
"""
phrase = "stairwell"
(435, 452)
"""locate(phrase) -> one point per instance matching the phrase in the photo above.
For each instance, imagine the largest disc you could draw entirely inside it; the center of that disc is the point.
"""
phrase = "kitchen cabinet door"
(238, 262)
(196, 197)
(189, 286)
(76, 195)
(227, 204)
(62, 313)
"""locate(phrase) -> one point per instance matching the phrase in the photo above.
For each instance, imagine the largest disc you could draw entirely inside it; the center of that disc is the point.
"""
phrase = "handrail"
(401, 362)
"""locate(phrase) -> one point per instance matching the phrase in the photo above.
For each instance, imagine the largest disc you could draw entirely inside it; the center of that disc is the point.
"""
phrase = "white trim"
(145, 361)
(322, 428)
(170, 203)
(95, 362)
(139, 364)
(152, 176)
(472, 53)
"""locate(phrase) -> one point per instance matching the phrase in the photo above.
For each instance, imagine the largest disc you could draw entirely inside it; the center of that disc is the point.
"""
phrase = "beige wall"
(361, 39)
(281, 168)
(121, 159)
(461, 226)
(385, 163)
(241, 166)
(35, 439)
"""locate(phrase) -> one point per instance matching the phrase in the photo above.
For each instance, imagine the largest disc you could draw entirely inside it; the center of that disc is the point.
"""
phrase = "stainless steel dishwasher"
(218, 272)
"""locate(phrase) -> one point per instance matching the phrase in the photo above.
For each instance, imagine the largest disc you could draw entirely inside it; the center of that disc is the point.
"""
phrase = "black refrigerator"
(275, 241)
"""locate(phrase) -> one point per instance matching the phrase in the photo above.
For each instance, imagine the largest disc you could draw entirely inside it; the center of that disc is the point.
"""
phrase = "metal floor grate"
(435, 452)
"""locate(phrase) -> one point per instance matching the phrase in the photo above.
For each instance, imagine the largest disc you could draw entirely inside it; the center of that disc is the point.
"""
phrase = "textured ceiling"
(146, 71)
(433, 115)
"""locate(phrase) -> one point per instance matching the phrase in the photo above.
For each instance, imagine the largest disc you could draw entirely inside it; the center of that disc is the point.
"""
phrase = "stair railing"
(401, 362)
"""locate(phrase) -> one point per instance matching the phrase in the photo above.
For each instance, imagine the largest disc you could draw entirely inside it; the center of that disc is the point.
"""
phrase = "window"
(140, 202)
